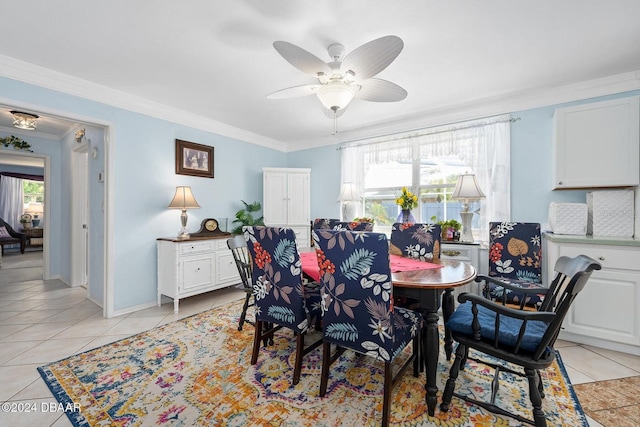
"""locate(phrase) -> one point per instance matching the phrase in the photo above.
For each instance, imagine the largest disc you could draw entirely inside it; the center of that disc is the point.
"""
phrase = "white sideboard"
(607, 311)
(597, 144)
(286, 201)
(189, 267)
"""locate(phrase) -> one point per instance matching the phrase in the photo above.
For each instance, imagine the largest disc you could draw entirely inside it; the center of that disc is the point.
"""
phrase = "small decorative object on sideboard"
(209, 228)
(450, 230)
(611, 213)
(568, 218)
(407, 201)
(25, 220)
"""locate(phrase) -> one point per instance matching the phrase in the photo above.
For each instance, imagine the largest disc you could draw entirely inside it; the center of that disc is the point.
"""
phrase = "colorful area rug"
(196, 371)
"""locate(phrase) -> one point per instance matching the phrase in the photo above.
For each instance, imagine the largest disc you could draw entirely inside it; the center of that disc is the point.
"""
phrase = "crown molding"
(40, 76)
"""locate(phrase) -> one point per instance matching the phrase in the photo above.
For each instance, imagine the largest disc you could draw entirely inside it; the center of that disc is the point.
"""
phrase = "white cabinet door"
(275, 197)
(196, 272)
(226, 270)
(607, 308)
(597, 144)
(298, 198)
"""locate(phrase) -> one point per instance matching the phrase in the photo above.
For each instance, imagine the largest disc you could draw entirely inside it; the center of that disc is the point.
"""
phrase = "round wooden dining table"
(428, 286)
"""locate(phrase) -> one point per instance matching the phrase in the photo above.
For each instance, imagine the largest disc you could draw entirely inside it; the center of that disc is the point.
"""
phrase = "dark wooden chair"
(14, 237)
(238, 247)
(521, 337)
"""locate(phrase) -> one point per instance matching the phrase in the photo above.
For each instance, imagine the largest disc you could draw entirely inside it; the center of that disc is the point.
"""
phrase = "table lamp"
(348, 194)
(183, 199)
(467, 190)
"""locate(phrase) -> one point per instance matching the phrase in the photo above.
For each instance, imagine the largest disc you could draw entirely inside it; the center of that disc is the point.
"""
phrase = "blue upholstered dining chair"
(515, 257)
(419, 241)
(336, 224)
(517, 340)
(358, 313)
(281, 299)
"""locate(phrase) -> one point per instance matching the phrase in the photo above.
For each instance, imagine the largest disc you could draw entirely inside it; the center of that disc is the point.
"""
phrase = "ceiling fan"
(345, 77)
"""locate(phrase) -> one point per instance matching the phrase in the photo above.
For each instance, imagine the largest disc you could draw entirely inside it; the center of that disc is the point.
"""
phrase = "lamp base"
(466, 235)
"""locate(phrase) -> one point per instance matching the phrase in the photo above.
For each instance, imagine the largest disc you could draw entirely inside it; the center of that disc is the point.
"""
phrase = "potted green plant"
(450, 229)
(245, 217)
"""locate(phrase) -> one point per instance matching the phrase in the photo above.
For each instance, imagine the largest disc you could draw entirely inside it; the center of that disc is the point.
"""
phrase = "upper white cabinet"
(597, 145)
(286, 200)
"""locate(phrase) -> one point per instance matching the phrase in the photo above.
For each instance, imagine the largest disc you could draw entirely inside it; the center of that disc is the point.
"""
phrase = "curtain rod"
(426, 132)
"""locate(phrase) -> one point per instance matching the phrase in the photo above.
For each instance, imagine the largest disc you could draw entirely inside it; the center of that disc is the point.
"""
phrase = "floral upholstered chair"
(357, 305)
(419, 241)
(336, 224)
(281, 299)
(515, 257)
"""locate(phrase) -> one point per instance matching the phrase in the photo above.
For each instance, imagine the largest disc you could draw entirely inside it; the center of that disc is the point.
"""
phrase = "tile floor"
(44, 321)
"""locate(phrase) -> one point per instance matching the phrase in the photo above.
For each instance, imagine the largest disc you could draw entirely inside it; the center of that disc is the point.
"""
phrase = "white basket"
(611, 213)
(568, 218)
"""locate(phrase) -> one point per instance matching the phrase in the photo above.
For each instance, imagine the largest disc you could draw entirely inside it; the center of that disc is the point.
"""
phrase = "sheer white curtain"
(11, 200)
(482, 145)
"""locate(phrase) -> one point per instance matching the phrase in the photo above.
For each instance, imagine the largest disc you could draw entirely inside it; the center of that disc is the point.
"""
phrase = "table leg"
(431, 343)
(448, 304)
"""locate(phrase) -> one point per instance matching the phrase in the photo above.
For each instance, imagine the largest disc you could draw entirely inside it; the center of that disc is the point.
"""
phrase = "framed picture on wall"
(194, 159)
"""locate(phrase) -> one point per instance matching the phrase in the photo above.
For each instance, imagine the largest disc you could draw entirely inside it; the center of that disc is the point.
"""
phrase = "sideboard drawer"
(194, 247)
(608, 257)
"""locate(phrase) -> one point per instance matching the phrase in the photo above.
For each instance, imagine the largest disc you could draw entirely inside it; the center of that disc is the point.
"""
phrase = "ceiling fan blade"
(379, 90)
(301, 59)
(294, 92)
(373, 57)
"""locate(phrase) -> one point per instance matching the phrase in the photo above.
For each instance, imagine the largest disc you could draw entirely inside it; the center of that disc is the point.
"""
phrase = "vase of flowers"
(407, 201)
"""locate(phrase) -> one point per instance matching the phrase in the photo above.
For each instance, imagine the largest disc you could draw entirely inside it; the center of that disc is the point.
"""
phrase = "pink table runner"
(397, 263)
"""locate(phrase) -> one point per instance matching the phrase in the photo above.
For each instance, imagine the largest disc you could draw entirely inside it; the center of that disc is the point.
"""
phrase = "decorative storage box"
(568, 218)
(611, 213)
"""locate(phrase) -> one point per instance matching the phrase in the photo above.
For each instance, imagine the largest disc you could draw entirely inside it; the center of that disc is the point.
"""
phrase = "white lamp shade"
(467, 188)
(183, 199)
(335, 95)
(348, 193)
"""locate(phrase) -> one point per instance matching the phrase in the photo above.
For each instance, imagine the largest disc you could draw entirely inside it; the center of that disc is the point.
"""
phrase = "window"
(428, 162)
(33, 192)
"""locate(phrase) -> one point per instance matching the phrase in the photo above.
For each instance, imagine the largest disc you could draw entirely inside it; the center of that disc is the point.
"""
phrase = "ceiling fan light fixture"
(23, 120)
(336, 95)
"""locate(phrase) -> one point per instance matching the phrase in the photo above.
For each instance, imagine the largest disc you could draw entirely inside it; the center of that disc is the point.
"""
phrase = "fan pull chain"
(335, 121)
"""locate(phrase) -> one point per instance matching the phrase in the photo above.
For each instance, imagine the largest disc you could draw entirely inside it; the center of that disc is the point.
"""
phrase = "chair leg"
(417, 354)
(540, 384)
(447, 394)
(326, 361)
(536, 400)
(256, 341)
(386, 402)
(297, 369)
(243, 316)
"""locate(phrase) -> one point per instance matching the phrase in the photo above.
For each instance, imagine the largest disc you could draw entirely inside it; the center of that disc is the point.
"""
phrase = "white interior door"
(79, 216)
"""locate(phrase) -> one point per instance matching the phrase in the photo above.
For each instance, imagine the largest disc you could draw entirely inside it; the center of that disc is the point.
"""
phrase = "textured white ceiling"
(215, 58)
